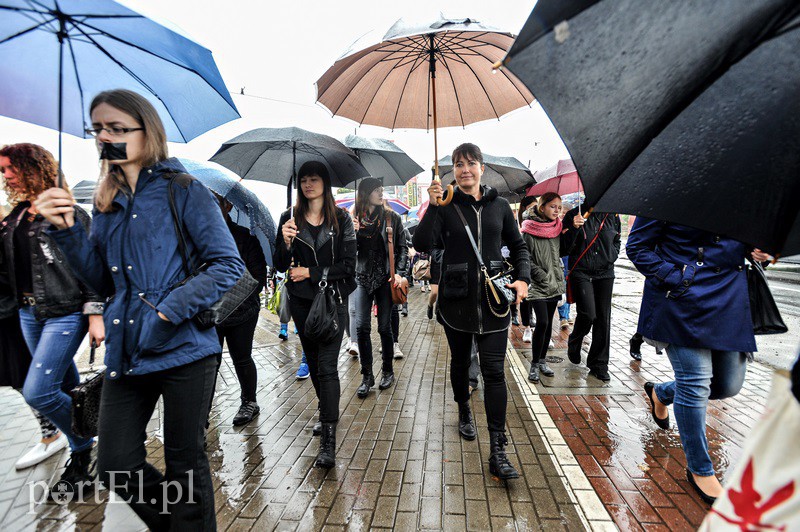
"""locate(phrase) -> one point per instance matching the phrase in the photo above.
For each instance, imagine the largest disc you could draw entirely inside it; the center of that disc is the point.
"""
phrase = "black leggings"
(396, 322)
(525, 312)
(322, 359)
(240, 346)
(492, 354)
(544, 310)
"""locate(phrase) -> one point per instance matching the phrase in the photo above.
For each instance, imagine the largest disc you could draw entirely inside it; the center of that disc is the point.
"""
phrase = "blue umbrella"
(55, 55)
(248, 211)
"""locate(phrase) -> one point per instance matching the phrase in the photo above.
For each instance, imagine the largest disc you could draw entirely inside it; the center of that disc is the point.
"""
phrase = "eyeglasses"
(113, 131)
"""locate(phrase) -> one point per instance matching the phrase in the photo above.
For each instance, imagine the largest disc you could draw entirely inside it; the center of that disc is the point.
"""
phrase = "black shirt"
(315, 229)
(22, 256)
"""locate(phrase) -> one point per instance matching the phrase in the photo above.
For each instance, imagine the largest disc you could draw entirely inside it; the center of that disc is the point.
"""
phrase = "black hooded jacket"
(462, 300)
(598, 262)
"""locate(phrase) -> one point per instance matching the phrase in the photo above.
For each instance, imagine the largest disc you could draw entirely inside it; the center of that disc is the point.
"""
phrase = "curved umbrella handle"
(447, 197)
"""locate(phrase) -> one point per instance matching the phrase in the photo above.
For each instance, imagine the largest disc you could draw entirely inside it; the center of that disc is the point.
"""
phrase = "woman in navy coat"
(696, 303)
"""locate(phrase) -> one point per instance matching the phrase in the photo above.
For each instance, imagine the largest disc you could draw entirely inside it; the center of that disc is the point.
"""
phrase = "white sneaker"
(551, 345)
(353, 349)
(397, 353)
(41, 452)
(527, 336)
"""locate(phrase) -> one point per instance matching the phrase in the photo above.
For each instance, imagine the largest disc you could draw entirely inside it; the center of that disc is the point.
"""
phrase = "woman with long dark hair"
(154, 348)
(476, 214)
(542, 234)
(53, 303)
(317, 245)
(372, 276)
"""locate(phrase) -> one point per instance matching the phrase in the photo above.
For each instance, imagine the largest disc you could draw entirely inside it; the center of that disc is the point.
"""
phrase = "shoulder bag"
(400, 292)
(322, 324)
(766, 316)
(86, 402)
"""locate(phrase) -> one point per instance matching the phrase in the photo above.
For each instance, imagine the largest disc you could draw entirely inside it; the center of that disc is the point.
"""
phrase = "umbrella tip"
(499, 65)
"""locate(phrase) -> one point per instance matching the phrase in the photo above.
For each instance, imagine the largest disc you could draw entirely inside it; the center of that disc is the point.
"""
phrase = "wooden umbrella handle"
(447, 197)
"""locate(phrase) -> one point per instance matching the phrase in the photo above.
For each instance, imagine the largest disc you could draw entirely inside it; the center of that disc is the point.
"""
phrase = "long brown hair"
(155, 147)
(546, 198)
(301, 208)
(36, 169)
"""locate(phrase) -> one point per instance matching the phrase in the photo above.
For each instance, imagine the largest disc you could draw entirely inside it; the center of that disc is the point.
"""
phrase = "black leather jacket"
(55, 287)
(400, 238)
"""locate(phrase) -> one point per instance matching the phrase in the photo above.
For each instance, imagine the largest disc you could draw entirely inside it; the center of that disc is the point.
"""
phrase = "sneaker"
(515, 320)
(284, 334)
(546, 370)
(527, 336)
(79, 472)
(601, 374)
(246, 413)
(295, 329)
(404, 312)
(41, 452)
(422, 288)
(551, 345)
(303, 371)
(353, 349)
(571, 322)
(564, 324)
(397, 353)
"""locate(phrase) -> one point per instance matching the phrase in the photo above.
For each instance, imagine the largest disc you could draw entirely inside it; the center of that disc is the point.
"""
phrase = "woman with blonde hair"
(154, 348)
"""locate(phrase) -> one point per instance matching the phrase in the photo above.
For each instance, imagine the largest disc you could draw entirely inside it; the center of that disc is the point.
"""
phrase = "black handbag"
(86, 402)
(766, 316)
(322, 324)
(231, 300)
(498, 296)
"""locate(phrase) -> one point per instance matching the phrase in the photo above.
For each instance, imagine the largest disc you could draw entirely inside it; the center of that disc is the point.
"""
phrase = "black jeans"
(322, 359)
(126, 406)
(593, 300)
(240, 346)
(492, 354)
(383, 299)
(544, 310)
(396, 322)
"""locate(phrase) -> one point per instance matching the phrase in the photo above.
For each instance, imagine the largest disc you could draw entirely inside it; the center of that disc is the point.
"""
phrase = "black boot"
(317, 430)
(77, 476)
(499, 465)
(386, 380)
(247, 411)
(327, 447)
(466, 426)
(367, 382)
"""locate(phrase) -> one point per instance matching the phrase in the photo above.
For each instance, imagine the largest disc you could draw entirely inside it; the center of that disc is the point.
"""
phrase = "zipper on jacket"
(480, 250)
(314, 251)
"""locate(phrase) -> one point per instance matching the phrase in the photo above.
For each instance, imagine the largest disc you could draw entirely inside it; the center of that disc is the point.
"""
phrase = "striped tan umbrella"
(424, 76)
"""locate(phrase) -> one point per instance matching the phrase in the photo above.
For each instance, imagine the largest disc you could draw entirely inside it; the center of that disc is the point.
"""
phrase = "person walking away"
(463, 308)
(316, 244)
(696, 304)
(240, 328)
(372, 277)
(542, 234)
(592, 245)
(154, 348)
(55, 308)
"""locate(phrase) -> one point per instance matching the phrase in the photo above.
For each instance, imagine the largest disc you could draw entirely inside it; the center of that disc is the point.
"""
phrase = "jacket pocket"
(156, 334)
(455, 284)
(687, 279)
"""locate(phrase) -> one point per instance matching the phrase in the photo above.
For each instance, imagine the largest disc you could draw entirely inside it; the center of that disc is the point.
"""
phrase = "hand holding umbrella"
(289, 232)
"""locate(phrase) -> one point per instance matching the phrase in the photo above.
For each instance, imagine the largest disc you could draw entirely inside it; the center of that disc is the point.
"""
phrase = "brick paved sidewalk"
(586, 456)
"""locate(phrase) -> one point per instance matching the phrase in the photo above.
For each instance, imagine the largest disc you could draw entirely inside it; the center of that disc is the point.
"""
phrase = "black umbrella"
(681, 111)
(382, 158)
(411, 226)
(275, 154)
(506, 174)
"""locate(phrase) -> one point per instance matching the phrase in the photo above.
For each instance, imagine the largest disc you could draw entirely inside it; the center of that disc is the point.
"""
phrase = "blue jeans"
(53, 343)
(563, 310)
(700, 375)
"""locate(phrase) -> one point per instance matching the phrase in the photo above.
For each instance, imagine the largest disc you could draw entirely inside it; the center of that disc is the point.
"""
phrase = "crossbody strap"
(176, 222)
(471, 238)
(589, 246)
(390, 235)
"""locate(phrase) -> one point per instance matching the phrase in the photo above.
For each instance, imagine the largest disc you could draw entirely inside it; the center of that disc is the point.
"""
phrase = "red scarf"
(542, 229)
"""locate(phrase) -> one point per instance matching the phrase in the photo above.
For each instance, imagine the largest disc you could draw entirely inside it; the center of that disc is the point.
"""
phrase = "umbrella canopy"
(274, 155)
(506, 174)
(561, 178)
(104, 46)
(83, 192)
(248, 211)
(665, 105)
(382, 158)
(396, 205)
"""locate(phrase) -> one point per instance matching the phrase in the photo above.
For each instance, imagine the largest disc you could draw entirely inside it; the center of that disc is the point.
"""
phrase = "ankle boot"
(367, 382)
(499, 465)
(466, 426)
(317, 430)
(327, 447)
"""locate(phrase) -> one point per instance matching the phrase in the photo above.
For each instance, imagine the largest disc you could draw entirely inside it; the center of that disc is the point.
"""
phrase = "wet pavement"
(589, 455)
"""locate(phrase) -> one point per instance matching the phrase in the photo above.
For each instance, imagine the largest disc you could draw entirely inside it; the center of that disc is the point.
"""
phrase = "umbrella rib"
(375, 94)
(23, 32)
(505, 74)
(77, 76)
(455, 90)
(405, 84)
(488, 98)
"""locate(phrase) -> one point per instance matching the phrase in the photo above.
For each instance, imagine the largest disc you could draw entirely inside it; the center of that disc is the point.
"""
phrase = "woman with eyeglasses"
(153, 348)
(55, 308)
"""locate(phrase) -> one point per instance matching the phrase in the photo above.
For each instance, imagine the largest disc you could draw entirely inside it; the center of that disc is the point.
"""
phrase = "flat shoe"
(708, 499)
(649, 389)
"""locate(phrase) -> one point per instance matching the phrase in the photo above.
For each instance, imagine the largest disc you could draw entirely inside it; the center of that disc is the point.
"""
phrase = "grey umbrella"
(274, 155)
(384, 159)
(506, 174)
(83, 192)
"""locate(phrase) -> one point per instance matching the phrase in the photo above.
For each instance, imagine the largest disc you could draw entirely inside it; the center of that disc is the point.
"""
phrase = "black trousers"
(544, 310)
(126, 407)
(240, 347)
(322, 359)
(492, 356)
(396, 322)
(525, 312)
(383, 299)
(593, 301)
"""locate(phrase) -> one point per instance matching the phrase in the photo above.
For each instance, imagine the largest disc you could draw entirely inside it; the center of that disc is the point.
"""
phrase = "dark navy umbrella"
(681, 111)
(506, 174)
(248, 211)
(274, 155)
(384, 159)
(56, 55)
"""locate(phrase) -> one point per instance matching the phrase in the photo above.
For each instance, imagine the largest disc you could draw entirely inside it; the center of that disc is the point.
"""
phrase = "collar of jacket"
(325, 234)
(147, 174)
(487, 194)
